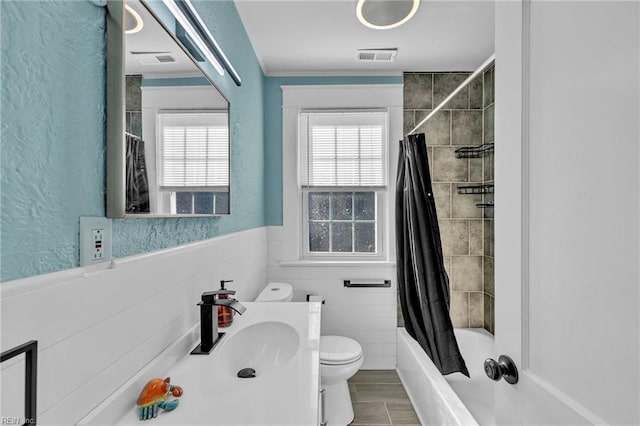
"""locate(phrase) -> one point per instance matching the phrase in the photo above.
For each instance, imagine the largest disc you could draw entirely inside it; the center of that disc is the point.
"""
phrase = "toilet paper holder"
(315, 298)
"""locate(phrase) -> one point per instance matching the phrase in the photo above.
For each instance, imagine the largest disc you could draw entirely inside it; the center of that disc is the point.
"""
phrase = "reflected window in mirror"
(175, 154)
(193, 173)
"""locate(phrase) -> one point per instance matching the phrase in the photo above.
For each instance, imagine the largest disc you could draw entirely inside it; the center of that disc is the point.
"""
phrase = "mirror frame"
(115, 110)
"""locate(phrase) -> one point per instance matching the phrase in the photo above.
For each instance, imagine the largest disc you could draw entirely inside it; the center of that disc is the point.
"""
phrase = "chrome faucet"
(209, 324)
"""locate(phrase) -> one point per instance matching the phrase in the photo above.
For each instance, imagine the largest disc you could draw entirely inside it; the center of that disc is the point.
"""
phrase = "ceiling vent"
(153, 57)
(377, 55)
(165, 58)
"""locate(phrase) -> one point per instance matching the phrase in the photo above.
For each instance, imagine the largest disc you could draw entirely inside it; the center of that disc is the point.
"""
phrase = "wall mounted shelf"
(476, 189)
(474, 151)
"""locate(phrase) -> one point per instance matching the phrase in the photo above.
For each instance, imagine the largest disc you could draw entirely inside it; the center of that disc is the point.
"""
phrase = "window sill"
(336, 263)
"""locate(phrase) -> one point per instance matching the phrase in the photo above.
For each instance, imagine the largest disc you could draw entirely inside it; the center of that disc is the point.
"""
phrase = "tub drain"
(247, 373)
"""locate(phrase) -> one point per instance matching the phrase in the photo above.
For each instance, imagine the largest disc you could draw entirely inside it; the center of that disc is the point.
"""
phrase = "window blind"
(345, 149)
(194, 150)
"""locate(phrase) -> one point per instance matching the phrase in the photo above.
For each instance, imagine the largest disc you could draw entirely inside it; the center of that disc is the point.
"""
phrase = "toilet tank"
(276, 292)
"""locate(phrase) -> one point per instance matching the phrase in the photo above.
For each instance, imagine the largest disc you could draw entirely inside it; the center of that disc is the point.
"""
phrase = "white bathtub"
(453, 399)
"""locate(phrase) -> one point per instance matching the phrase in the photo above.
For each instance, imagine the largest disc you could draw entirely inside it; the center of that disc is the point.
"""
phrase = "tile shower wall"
(133, 107)
(487, 177)
(462, 224)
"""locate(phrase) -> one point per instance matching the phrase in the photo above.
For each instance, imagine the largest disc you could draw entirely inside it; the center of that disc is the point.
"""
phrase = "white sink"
(264, 346)
(281, 341)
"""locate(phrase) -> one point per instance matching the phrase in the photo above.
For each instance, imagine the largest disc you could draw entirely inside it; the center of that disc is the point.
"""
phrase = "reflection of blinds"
(343, 149)
(194, 150)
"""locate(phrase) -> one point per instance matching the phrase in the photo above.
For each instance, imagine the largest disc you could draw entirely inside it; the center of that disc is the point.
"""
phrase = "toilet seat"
(339, 350)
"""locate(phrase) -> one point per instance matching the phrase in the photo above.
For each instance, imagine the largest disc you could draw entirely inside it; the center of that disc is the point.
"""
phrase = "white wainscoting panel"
(367, 315)
(97, 327)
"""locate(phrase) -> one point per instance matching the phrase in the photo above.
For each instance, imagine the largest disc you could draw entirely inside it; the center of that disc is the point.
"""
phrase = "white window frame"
(379, 254)
(159, 132)
(336, 97)
(303, 134)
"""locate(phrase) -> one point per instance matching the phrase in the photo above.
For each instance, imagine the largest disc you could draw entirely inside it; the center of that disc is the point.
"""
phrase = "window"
(342, 175)
(194, 161)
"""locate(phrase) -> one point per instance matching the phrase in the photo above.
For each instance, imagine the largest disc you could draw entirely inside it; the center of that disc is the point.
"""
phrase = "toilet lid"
(337, 350)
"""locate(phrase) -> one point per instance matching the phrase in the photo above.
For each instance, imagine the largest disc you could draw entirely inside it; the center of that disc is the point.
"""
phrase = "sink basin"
(264, 346)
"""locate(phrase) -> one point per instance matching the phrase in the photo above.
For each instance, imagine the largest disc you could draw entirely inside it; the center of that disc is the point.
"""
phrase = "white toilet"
(340, 358)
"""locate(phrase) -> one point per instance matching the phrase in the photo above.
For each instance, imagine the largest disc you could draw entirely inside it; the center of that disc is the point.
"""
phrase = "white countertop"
(286, 395)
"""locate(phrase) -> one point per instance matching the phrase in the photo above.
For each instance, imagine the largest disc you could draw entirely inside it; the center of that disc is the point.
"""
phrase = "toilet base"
(338, 409)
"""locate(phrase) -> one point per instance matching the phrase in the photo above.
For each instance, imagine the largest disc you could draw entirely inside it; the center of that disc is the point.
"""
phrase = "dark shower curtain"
(422, 280)
(137, 185)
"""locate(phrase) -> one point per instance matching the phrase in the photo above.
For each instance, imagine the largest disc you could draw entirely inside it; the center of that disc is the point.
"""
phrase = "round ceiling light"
(385, 14)
(132, 20)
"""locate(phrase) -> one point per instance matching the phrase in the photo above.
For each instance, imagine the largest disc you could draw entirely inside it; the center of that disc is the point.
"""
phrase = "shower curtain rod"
(468, 80)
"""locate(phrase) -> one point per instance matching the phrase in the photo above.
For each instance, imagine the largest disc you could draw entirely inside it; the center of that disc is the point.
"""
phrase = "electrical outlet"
(95, 240)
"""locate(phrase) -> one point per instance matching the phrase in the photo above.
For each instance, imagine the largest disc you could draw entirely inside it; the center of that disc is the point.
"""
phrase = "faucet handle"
(223, 282)
(209, 297)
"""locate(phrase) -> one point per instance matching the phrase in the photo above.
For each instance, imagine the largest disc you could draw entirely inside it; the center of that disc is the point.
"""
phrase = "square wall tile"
(475, 170)
(467, 273)
(466, 128)
(447, 268)
(409, 118)
(133, 91)
(476, 88)
(454, 234)
(464, 205)
(459, 310)
(442, 196)
(488, 124)
(476, 309)
(135, 124)
(489, 314)
(438, 129)
(431, 160)
(488, 237)
(487, 168)
(489, 92)
(444, 84)
(447, 168)
(476, 241)
(417, 91)
(488, 211)
(488, 275)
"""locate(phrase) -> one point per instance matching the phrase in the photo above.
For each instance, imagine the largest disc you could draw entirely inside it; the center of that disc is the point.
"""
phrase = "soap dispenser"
(225, 313)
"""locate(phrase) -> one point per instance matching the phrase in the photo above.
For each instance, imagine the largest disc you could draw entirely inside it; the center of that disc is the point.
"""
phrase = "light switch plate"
(95, 240)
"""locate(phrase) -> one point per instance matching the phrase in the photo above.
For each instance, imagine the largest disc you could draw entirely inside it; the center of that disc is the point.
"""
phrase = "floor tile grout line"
(388, 415)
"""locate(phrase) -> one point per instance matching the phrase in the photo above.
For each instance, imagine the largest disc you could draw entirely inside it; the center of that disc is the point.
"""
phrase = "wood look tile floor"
(379, 398)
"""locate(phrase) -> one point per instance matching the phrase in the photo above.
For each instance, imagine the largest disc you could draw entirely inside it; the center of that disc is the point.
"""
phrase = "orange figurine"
(155, 395)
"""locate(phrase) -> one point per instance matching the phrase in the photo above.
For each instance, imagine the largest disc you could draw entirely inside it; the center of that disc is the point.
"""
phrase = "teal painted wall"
(273, 132)
(53, 132)
(53, 153)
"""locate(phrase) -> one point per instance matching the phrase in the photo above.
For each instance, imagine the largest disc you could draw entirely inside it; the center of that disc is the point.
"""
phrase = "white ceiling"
(321, 37)
(153, 40)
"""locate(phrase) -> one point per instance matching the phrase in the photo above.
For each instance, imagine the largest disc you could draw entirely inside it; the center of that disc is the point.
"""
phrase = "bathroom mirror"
(168, 142)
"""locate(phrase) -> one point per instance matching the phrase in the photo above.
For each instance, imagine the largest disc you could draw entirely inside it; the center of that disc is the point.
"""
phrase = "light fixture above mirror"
(133, 22)
(385, 14)
(188, 18)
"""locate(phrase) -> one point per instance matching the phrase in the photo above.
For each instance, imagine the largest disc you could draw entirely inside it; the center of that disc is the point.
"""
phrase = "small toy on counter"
(155, 395)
